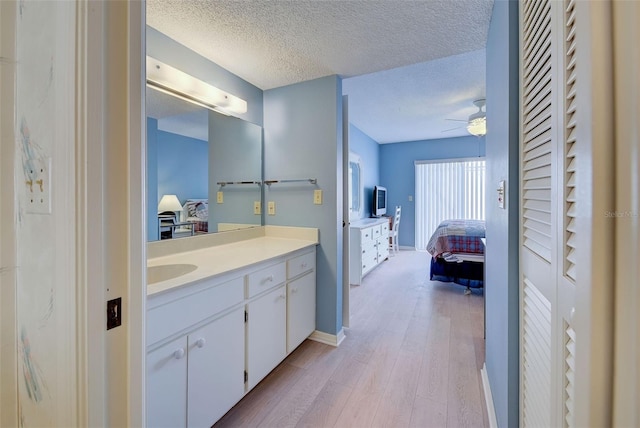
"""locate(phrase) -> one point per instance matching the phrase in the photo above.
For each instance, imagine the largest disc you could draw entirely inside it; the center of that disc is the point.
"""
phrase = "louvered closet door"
(547, 229)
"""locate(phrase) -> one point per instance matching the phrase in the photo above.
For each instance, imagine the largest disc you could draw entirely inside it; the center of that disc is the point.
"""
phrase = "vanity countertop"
(220, 259)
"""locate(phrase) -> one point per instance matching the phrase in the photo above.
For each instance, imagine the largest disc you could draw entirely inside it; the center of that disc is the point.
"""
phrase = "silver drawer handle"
(282, 296)
(269, 278)
(178, 353)
(294, 290)
(200, 342)
(303, 265)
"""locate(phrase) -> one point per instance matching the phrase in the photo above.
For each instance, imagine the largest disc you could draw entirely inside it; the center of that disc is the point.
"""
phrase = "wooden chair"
(393, 233)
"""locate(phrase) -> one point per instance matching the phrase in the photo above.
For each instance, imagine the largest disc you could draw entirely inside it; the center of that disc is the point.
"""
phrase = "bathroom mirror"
(211, 162)
(356, 206)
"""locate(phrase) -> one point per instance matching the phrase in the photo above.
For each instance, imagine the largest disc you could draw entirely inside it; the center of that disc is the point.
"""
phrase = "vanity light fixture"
(172, 81)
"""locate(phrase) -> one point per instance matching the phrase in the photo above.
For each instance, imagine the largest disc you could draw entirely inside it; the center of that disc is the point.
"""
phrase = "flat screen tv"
(379, 201)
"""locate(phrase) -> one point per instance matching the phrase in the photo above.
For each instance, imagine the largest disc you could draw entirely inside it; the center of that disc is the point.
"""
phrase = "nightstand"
(167, 226)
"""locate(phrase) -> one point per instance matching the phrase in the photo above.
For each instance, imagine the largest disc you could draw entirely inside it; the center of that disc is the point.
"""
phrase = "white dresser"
(368, 246)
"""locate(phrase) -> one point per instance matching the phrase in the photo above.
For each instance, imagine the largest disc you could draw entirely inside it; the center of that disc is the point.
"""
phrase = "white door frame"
(111, 223)
(8, 251)
(626, 374)
(346, 212)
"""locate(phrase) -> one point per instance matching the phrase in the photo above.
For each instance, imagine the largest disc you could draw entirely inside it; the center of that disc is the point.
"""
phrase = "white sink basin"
(165, 272)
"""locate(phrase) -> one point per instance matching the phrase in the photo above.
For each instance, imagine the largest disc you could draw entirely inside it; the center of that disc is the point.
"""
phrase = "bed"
(196, 211)
(457, 251)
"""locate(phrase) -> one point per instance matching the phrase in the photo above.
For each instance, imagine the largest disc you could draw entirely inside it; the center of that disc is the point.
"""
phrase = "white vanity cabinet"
(215, 376)
(301, 299)
(266, 334)
(166, 385)
(368, 246)
(211, 342)
(195, 379)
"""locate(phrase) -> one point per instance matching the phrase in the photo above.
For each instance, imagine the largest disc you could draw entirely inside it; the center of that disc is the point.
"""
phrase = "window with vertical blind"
(447, 189)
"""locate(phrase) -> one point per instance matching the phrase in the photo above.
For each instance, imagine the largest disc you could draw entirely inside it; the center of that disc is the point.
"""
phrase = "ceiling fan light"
(477, 126)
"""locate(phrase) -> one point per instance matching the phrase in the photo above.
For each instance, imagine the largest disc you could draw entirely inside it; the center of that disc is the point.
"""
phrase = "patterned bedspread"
(199, 225)
(457, 236)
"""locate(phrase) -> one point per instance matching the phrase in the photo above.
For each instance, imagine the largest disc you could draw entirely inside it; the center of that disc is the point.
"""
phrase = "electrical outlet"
(271, 208)
(410, 198)
(38, 186)
(220, 197)
(114, 313)
(317, 197)
(257, 209)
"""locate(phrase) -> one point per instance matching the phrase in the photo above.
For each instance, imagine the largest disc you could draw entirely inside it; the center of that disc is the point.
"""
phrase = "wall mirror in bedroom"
(204, 169)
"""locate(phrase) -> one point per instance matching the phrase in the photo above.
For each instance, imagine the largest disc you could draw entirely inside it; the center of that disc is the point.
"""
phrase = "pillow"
(202, 210)
(197, 208)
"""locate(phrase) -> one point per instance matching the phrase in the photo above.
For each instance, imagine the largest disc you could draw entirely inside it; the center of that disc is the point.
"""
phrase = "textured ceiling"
(277, 43)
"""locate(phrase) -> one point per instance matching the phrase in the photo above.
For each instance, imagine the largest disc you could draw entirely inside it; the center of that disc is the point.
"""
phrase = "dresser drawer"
(366, 235)
(384, 230)
(177, 315)
(377, 232)
(300, 264)
(264, 279)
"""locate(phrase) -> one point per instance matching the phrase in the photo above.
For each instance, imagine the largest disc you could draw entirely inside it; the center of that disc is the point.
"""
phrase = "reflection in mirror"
(355, 187)
(189, 150)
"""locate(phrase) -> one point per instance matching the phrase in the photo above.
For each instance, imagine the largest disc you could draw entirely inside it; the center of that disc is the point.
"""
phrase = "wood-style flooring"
(411, 358)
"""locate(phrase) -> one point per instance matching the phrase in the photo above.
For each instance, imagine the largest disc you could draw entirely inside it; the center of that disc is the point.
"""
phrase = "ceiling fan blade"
(457, 120)
(453, 129)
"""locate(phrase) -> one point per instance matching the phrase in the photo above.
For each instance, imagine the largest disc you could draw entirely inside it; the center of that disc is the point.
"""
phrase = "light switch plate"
(257, 209)
(317, 197)
(271, 208)
(38, 186)
(220, 197)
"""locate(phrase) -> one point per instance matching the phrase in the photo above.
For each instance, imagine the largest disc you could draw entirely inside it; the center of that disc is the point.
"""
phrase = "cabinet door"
(266, 334)
(167, 385)
(216, 369)
(301, 310)
(383, 249)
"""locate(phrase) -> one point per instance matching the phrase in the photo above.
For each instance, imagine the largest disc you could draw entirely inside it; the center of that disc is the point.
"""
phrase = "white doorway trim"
(8, 252)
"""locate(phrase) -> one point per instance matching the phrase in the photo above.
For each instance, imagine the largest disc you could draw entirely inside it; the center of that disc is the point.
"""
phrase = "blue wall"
(303, 139)
(501, 267)
(167, 50)
(369, 152)
(152, 179)
(183, 167)
(397, 172)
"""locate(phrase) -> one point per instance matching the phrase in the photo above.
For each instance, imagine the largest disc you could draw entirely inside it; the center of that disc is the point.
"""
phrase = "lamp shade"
(169, 203)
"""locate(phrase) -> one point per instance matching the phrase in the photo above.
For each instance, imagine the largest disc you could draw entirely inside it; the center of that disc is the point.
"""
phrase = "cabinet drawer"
(377, 231)
(177, 315)
(300, 264)
(264, 279)
(384, 230)
(366, 235)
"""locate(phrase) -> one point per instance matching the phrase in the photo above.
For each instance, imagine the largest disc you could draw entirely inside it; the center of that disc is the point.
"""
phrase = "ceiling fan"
(477, 122)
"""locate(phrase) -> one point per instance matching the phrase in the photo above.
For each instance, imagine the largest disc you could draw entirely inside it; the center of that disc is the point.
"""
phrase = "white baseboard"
(491, 411)
(328, 339)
